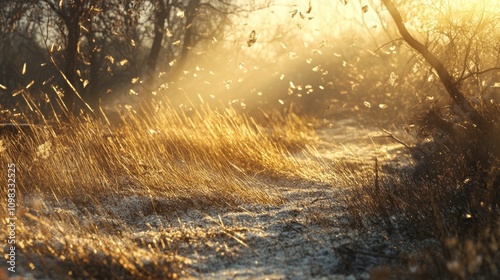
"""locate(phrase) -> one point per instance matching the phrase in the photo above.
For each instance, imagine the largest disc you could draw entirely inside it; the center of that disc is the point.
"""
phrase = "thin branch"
(471, 39)
(477, 73)
(390, 42)
(68, 82)
(55, 9)
(392, 136)
(446, 79)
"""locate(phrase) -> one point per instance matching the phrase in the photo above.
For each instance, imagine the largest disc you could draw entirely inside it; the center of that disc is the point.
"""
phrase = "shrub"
(451, 193)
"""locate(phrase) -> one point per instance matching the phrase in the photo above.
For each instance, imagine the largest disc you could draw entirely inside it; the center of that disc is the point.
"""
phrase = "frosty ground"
(308, 236)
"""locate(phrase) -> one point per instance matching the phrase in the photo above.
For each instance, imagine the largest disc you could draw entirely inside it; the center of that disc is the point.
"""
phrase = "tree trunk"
(160, 17)
(73, 28)
(191, 11)
(465, 107)
(92, 90)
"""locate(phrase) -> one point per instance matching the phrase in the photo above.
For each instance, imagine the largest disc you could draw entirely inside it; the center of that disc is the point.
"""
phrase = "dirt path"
(307, 237)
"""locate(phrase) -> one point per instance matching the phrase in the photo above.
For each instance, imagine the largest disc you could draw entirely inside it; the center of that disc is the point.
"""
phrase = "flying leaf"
(364, 8)
(24, 69)
(252, 38)
(3, 87)
(343, 2)
(294, 12)
(310, 7)
(110, 58)
(30, 84)
(168, 32)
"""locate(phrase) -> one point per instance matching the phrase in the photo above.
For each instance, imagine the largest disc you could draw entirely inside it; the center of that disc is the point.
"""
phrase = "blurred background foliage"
(326, 59)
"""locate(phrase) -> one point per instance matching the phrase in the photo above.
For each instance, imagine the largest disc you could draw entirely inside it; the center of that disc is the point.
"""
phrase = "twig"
(390, 135)
(477, 73)
(391, 41)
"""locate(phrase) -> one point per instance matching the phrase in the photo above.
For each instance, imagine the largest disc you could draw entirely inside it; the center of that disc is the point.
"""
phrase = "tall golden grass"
(169, 158)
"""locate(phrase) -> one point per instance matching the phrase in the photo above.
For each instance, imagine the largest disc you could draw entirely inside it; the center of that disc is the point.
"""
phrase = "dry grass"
(159, 163)
(210, 154)
(451, 196)
(59, 248)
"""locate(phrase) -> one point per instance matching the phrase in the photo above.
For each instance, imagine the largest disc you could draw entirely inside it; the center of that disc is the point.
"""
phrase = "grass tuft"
(452, 194)
(83, 186)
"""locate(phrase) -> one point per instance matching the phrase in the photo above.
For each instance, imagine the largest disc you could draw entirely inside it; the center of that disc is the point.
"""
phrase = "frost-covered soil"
(309, 236)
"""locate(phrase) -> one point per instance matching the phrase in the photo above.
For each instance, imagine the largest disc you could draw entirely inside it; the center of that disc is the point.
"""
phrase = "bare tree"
(11, 12)
(452, 85)
(72, 13)
(161, 13)
(104, 46)
(179, 25)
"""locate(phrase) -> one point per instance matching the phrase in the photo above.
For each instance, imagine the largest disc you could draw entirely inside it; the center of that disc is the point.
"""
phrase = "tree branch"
(477, 73)
(55, 9)
(445, 77)
(391, 41)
